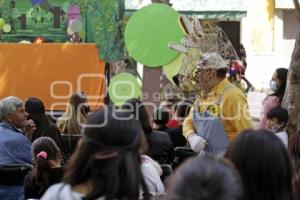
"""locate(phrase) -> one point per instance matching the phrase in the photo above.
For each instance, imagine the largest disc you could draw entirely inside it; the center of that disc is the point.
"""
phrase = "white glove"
(197, 143)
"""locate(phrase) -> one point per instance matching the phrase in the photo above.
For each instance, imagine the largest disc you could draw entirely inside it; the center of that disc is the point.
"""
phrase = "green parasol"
(148, 32)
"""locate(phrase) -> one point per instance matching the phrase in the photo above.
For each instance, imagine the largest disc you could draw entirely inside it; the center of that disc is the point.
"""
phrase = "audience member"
(75, 115)
(47, 170)
(277, 119)
(205, 178)
(264, 165)
(14, 145)
(176, 134)
(44, 127)
(277, 85)
(160, 145)
(106, 163)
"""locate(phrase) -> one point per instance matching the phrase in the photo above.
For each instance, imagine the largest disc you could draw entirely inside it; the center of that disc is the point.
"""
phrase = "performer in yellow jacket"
(220, 112)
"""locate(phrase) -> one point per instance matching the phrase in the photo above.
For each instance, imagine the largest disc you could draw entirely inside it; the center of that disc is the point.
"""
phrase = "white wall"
(261, 65)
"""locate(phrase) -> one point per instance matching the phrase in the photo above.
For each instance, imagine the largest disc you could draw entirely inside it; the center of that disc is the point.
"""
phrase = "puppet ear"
(197, 27)
(186, 25)
(177, 47)
(189, 42)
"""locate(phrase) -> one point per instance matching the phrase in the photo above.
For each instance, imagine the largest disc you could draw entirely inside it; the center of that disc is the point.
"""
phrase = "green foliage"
(107, 26)
(104, 21)
(57, 3)
(108, 29)
(86, 5)
(5, 10)
(23, 5)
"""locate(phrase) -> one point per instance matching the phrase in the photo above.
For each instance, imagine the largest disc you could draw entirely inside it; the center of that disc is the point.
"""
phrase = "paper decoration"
(75, 25)
(7, 28)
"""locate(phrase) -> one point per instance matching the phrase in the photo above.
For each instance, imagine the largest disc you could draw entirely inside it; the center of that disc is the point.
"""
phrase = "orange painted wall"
(51, 72)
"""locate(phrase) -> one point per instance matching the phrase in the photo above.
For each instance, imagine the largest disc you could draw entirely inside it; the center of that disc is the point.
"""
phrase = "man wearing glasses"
(219, 113)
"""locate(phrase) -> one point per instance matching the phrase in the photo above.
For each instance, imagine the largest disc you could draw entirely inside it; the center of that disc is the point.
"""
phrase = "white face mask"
(273, 85)
(276, 127)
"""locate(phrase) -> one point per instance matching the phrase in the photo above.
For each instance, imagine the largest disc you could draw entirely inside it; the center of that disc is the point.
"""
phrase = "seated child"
(277, 119)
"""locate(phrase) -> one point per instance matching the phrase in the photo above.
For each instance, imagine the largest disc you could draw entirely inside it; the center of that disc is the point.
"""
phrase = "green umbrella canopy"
(122, 87)
(148, 32)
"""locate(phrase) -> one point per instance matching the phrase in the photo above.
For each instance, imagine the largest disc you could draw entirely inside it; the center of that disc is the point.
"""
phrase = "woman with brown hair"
(75, 115)
(70, 124)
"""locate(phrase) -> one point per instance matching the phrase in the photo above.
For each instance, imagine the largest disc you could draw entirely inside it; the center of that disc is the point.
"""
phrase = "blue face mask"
(273, 85)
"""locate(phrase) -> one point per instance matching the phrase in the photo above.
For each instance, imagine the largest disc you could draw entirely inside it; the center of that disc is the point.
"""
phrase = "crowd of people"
(206, 149)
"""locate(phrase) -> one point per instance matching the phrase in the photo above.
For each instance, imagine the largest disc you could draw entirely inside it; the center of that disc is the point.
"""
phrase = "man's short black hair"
(161, 117)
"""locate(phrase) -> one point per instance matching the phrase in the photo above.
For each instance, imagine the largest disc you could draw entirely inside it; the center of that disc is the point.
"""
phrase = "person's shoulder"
(175, 131)
(59, 191)
(282, 134)
(272, 98)
(232, 92)
(161, 134)
(14, 135)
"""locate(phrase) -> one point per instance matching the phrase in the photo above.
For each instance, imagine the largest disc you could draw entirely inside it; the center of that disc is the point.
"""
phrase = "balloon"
(149, 45)
(76, 25)
(6, 28)
(122, 87)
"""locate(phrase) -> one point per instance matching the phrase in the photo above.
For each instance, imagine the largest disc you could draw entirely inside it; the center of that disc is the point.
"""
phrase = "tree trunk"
(57, 12)
(23, 21)
(291, 99)
(152, 82)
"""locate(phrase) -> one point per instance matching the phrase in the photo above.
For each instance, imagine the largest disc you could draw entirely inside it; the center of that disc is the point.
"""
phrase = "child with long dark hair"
(47, 170)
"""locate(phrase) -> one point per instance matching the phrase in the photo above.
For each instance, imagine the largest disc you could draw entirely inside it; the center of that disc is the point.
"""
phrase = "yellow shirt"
(233, 110)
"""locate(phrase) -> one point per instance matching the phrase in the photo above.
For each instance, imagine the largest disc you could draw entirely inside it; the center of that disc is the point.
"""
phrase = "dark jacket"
(161, 148)
(177, 137)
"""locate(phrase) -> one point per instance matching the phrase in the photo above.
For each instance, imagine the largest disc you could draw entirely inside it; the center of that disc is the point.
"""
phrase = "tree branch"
(297, 9)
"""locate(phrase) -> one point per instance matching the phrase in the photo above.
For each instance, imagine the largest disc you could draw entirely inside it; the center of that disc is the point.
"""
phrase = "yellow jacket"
(233, 110)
